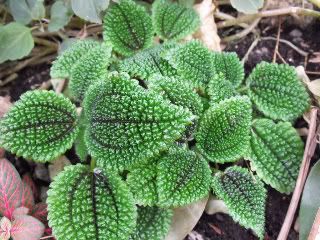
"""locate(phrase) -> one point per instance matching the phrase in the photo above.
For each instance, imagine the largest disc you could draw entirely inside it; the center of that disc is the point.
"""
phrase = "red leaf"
(27, 199)
(10, 188)
(39, 211)
(5, 227)
(26, 228)
(29, 181)
(20, 212)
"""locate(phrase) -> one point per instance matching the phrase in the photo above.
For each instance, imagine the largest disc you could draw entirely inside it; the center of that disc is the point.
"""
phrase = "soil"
(218, 226)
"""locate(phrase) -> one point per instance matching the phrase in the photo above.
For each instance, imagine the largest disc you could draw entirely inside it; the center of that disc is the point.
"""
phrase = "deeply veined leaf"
(176, 178)
(40, 126)
(276, 153)
(5, 227)
(27, 179)
(229, 64)
(91, 68)
(27, 199)
(80, 144)
(224, 130)
(127, 124)
(193, 62)
(40, 212)
(26, 228)
(90, 205)
(172, 20)
(10, 188)
(148, 62)
(244, 196)
(219, 89)
(128, 27)
(152, 223)
(62, 67)
(277, 91)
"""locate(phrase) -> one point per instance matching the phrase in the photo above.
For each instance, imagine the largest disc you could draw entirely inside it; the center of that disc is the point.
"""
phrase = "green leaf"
(152, 223)
(244, 196)
(62, 67)
(176, 178)
(247, 6)
(219, 89)
(89, 10)
(310, 202)
(276, 153)
(60, 16)
(229, 64)
(91, 68)
(24, 11)
(193, 62)
(41, 126)
(79, 144)
(277, 91)
(148, 62)
(128, 124)
(224, 130)
(172, 20)
(90, 205)
(15, 42)
(128, 27)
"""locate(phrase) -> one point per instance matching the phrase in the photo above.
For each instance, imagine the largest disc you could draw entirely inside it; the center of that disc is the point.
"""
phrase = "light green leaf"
(152, 223)
(60, 16)
(24, 11)
(276, 153)
(89, 10)
(244, 196)
(128, 27)
(79, 144)
(40, 126)
(247, 6)
(224, 130)
(310, 202)
(86, 204)
(128, 124)
(15, 42)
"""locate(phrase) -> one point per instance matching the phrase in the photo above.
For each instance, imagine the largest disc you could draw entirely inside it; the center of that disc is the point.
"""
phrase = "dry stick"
(277, 42)
(252, 46)
(303, 173)
(225, 16)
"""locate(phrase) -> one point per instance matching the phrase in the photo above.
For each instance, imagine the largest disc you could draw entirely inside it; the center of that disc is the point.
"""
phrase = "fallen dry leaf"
(207, 32)
(215, 205)
(57, 166)
(216, 229)
(316, 58)
(5, 105)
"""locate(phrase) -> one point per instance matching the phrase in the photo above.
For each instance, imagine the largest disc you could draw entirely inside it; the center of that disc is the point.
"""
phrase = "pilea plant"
(158, 121)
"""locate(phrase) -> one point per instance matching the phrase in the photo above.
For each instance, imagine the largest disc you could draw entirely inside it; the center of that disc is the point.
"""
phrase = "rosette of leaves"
(41, 126)
(128, 27)
(127, 124)
(86, 204)
(277, 91)
(176, 178)
(172, 20)
(224, 130)
(244, 196)
(152, 223)
(276, 153)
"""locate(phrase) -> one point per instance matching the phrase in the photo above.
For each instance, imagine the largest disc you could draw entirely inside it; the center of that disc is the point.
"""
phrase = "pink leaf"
(10, 188)
(39, 211)
(29, 181)
(26, 228)
(5, 227)
(20, 212)
(27, 199)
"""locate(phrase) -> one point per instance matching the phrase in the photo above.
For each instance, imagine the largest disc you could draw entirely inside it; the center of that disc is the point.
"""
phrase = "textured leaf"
(128, 27)
(89, 10)
(310, 202)
(148, 62)
(10, 188)
(152, 223)
(224, 130)
(127, 124)
(219, 89)
(193, 62)
(15, 42)
(277, 151)
(27, 179)
(90, 205)
(229, 64)
(177, 178)
(27, 199)
(172, 20)
(62, 67)
(5, 227)
(60, 16)
(244, 196)
(277, 91)
(247, 6)
(80, 144)
(91, 68)
(26, 228)
(24, 11)
(40, 212)
(40, 126)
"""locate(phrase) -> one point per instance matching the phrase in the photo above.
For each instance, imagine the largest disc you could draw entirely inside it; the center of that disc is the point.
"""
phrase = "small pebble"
(41, 172)
(296, 33)
(43, 193)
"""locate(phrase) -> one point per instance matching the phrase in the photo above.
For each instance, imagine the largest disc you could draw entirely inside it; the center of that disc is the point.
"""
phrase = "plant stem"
(93, 164)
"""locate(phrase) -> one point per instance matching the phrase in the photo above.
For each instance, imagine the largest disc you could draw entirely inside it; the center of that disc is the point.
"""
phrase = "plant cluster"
(155, 120)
